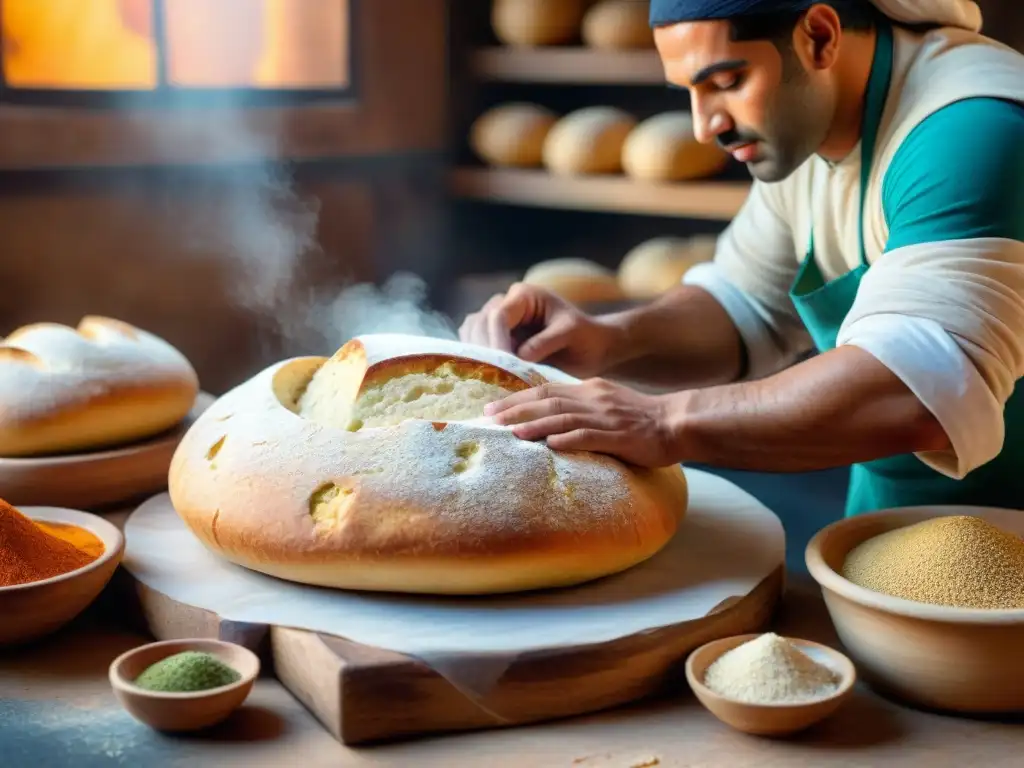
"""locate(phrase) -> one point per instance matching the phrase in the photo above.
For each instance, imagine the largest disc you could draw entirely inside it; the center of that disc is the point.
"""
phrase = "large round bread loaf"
(659, 264)
(106, 383)
(512, 134)
(618, 25)
(664, 148)
(353, 472)
(531, 23)
(579, 281)
(588, 140)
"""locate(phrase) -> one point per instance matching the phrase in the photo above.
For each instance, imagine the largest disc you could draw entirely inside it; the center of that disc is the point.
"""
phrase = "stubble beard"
(796, 125)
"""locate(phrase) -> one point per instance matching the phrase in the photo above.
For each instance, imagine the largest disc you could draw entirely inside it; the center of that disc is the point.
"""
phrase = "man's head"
(766, 85)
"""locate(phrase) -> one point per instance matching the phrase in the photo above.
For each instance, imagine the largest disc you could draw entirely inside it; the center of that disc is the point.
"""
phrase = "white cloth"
(946, 317)
(964, 14)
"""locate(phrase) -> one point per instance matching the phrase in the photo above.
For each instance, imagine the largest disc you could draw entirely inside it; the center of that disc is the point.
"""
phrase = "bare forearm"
(682, 339)
(839, 408)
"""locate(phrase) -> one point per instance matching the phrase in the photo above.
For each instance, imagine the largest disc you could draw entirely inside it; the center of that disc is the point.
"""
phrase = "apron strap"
(874, 107)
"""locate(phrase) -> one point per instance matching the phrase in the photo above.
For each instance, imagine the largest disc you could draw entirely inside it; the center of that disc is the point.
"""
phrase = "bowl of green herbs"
(184, 685)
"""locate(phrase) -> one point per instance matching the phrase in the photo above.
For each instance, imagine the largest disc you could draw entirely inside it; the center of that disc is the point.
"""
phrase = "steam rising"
(399, 307)
(264, 237)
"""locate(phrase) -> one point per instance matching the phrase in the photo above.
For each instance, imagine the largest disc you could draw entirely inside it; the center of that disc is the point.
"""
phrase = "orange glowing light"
(109, 44)
(74, 44)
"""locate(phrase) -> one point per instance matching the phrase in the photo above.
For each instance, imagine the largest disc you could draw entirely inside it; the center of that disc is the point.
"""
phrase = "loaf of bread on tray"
(105, 383)
(375, 469)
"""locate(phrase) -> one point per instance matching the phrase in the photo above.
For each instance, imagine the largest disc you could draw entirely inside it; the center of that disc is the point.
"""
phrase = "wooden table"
(56, 709)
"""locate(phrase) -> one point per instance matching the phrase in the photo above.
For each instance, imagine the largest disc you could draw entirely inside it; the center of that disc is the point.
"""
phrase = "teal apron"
(900, 481)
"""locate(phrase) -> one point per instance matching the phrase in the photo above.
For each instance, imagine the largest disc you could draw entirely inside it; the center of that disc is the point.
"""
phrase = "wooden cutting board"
(362, 693)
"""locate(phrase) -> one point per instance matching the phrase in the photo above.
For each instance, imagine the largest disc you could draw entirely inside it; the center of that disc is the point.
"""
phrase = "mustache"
(732, 138)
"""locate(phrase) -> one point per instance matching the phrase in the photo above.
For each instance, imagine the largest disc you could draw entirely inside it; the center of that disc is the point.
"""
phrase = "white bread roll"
(663, 148)
(576, 280)
(588, 141)
(512, 134)
(532, 23)
(618, 25)
(106, 383)
(658, 265)
(349, 473)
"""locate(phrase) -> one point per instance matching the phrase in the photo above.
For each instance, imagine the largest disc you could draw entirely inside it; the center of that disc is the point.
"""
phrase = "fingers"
(531, 395)
(546, 343)
(519, 306)
(554, 427)
(477, 329)
(495, 324)
(498, 331)
(587, 439)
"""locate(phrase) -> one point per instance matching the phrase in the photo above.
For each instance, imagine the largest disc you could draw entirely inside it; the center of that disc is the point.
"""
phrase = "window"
(153, 49)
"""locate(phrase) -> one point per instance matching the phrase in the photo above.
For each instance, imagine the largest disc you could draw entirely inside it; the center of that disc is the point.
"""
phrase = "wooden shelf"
(577, 65)
(713, 200)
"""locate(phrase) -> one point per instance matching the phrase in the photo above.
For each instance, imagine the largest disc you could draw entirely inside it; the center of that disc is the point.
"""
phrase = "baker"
(884, 229)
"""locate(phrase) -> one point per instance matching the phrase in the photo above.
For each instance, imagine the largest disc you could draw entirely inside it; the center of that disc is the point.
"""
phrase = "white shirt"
(946, 316)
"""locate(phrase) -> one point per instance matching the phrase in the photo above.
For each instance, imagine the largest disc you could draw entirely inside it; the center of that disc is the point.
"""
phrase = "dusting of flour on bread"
(71, 365)
(104, 383)
(426, 497)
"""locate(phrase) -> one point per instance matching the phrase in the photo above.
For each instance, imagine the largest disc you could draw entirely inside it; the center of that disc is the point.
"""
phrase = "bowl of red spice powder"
(54, 563)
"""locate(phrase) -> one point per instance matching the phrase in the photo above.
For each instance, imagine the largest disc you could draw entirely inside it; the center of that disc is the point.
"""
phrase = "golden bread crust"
(421, 506)
(102, 384)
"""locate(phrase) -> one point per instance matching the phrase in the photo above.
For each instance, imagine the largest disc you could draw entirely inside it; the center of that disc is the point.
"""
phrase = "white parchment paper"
(727, 545)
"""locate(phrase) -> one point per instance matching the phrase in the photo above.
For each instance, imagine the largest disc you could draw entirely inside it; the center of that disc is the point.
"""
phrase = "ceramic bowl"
(952, 659)
(769, 719)
(191, 711)
(33, 610)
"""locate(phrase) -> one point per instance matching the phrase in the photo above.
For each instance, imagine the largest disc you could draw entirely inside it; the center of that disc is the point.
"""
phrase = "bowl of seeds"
(929, 603)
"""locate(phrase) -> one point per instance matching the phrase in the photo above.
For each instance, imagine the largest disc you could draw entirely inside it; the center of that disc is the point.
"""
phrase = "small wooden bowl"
(769, 719)
(33, 610)
(953, 659)
(179, 712)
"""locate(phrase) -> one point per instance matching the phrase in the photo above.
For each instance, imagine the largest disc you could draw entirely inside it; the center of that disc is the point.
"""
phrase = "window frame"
(389, 104)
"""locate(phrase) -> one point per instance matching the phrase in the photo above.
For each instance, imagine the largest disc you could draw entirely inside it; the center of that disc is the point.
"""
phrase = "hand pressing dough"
(588, 141)
(105, 383)
(618, 25)
(375, 470)
(658, 265)
(663, 148)
(532, 23)
(512, 135)
(576, 280)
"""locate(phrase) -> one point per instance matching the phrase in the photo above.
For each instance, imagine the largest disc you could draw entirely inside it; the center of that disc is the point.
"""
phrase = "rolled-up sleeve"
(754, 266)
(943, 307)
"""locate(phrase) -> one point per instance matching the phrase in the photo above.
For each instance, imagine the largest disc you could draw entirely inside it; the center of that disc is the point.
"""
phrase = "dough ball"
(588, 141)
(576, 280)
(530, 23)
(663, 148)
(512, 134)
(618, 25)
(658, 265)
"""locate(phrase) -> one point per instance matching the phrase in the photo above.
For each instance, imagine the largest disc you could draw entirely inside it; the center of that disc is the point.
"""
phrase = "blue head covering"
(965, 14)
(664, 12)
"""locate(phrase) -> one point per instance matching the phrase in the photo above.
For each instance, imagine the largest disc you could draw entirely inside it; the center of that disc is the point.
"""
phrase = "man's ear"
(816, 37)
